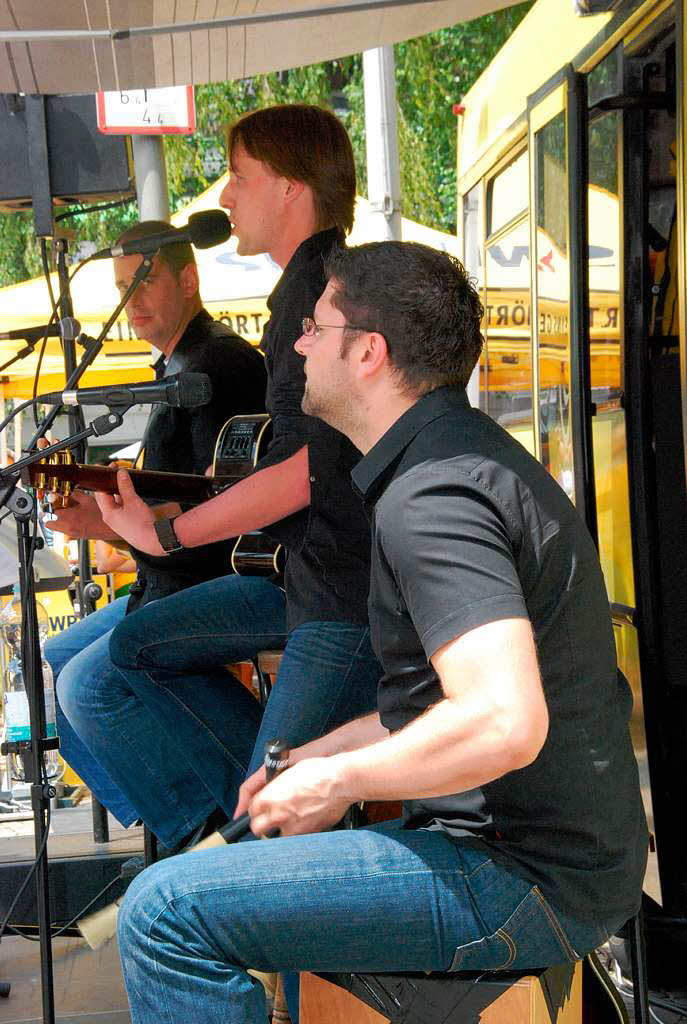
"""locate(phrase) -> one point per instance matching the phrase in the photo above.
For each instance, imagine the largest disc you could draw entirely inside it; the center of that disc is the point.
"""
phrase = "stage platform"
(88, 984)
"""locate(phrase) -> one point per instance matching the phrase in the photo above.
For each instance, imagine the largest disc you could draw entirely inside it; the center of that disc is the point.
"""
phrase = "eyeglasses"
(311, 329)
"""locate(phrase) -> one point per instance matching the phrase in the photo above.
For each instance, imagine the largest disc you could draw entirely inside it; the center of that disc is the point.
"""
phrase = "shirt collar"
(371, 471)
(185, 342)
(159, 366)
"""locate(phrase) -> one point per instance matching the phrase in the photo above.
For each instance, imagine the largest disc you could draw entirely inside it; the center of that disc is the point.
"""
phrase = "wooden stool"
(555, 997)
(243, 670)
(266, 668)
(268, 662)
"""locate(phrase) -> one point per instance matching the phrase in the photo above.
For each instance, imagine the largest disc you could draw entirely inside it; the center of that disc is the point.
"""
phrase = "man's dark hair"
(421, 300)
(177, 255)
(307, 144)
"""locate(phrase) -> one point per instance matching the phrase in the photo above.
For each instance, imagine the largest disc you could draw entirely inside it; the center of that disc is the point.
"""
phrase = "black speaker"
(73, 882)
(84, 164)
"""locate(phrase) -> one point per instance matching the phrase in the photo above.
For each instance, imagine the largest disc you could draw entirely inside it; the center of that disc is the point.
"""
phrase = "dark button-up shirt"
(328, 544)
(469, 529)
(180, 440)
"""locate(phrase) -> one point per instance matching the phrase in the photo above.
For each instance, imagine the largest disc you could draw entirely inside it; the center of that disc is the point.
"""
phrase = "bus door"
(638, 449)
(550, 245)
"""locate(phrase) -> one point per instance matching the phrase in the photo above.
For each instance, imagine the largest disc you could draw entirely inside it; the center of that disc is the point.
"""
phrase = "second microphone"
(186, 390)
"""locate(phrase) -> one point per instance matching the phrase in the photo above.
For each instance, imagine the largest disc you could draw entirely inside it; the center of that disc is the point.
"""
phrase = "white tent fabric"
(68, 46)
(233, 288)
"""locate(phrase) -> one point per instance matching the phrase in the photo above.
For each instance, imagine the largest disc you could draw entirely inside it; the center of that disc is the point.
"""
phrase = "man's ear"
(374, 353)
(188, 280)
(293, 190)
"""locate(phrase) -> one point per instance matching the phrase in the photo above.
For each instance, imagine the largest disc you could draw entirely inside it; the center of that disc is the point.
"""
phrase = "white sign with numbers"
(147, 111)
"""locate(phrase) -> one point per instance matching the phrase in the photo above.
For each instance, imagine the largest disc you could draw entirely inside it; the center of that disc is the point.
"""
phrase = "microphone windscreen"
(208, 228)
(193, 389)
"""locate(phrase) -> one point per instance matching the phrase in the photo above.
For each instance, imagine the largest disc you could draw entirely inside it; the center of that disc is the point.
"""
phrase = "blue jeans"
(174, 731)
(59, 650)
(375, 899)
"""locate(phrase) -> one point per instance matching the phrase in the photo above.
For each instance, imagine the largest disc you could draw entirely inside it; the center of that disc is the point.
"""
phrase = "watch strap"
(166, 534)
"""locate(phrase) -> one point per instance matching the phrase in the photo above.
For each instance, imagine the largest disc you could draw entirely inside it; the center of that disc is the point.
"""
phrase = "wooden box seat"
(553, 996)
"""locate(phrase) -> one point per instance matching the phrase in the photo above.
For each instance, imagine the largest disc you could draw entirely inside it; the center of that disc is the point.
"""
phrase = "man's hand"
(82, 519)
(129, 516)
(253, 784)
(307, 797)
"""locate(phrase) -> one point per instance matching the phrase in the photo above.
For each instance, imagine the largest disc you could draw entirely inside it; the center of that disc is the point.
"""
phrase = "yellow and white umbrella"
(234, 290)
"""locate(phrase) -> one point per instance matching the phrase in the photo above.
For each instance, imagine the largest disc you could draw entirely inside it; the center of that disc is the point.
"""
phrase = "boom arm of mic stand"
(26, 351)
(94, 348)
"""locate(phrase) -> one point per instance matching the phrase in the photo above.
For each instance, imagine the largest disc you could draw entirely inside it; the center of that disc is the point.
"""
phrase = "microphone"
(185, 390)
(67, 329)
(204, 229)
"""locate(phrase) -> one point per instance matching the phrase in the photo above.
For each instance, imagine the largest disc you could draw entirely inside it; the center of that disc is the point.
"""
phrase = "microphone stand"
(66, 334)
(75, 373)
(88, 592)
(94, 347)
(22, 505)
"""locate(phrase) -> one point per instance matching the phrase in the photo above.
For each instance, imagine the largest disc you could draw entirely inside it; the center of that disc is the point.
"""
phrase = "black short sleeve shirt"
(468, 529)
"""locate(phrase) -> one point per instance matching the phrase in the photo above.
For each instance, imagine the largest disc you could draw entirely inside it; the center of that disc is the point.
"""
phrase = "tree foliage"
(432, 73)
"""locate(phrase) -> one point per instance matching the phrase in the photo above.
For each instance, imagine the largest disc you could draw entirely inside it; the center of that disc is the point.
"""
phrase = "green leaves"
(432, 73)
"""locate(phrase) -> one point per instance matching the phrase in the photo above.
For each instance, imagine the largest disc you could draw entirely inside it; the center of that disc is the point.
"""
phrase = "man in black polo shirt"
(502, 719)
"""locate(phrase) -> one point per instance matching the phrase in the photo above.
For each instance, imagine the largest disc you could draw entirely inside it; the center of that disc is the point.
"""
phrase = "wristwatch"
(164, 528)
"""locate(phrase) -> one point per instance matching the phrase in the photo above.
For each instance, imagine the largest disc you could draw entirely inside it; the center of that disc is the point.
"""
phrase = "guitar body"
(242, 441)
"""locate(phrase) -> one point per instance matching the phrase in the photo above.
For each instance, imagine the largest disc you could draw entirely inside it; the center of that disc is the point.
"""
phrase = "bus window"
(605, 327)
(605, 80)
(507, 194)
(472, 260)
(507, 327)
(553, 302)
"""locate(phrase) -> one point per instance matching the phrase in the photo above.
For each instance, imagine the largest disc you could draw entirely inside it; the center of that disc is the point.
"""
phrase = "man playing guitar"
(166, 309)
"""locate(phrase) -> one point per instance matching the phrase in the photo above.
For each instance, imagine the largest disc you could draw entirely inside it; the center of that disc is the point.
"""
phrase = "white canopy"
(234, 289)
(85, 46)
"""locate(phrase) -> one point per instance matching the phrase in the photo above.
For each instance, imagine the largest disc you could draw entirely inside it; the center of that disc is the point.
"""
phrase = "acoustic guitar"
(241, 443)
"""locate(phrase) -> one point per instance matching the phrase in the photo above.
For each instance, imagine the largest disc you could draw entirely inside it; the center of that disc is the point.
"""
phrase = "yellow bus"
(571, 169)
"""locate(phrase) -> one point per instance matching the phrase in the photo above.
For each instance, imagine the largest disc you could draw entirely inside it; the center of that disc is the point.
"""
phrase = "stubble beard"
(332, 410)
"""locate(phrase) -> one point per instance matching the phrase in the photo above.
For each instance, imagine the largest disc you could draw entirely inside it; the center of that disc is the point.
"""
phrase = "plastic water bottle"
(17, 724)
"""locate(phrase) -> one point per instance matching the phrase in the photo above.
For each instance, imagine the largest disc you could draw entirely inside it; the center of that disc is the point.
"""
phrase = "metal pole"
(151, 177)
(381, 130)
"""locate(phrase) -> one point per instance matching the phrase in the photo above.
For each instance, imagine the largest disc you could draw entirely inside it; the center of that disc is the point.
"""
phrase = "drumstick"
(276, 761)
(97, 928)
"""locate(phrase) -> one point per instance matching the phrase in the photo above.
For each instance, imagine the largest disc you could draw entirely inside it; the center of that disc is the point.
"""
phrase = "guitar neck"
(183, 487)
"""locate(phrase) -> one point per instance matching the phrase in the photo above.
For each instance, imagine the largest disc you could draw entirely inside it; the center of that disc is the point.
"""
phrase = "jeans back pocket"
(531, 937)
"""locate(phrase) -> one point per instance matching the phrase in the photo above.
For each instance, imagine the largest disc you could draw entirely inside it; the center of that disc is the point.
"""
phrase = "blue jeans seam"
(151, 954)
(153, 646)
(555, 924)
(512, 948)
(284, 880)
(480, 867)
(364, 634)
(159, 778)
(191, 713)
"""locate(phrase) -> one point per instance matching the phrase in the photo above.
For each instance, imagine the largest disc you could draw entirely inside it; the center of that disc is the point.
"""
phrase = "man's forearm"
(444, 751)
(263, 498)
(351, 736)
